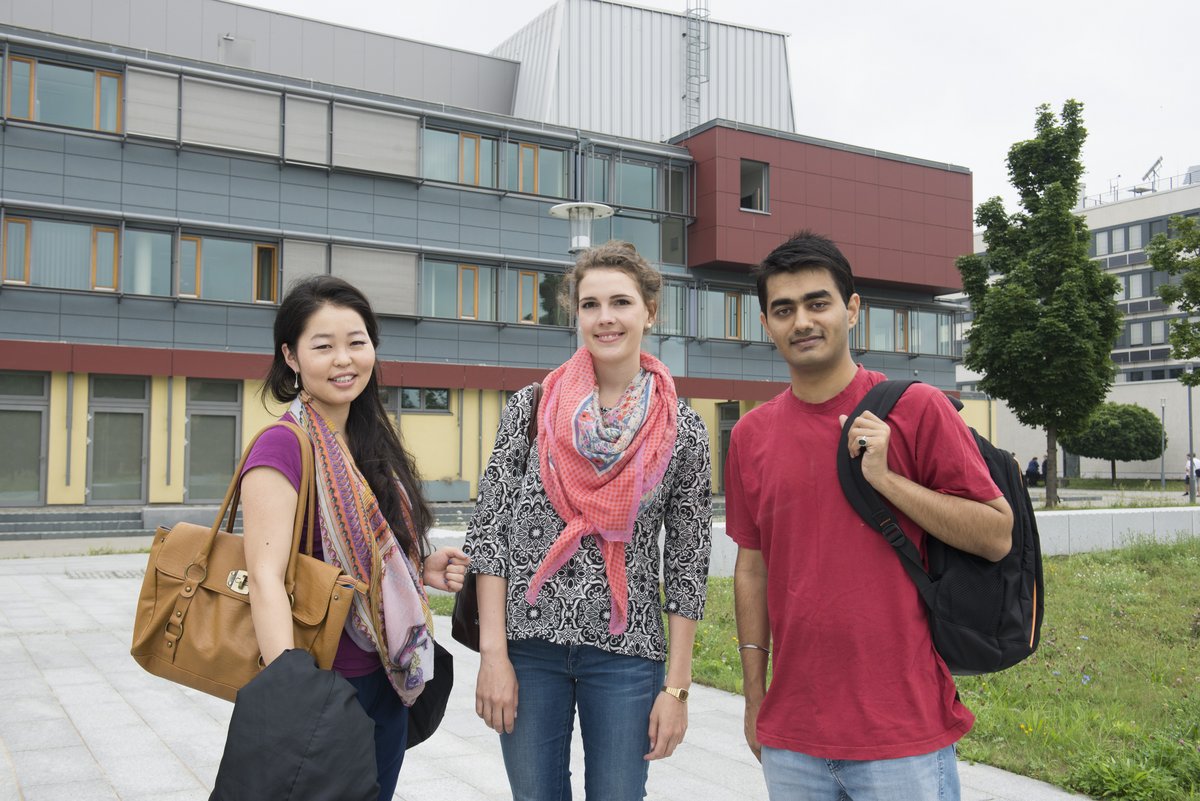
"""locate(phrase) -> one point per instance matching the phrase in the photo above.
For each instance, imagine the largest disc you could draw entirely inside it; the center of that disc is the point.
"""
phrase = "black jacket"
(298, 733)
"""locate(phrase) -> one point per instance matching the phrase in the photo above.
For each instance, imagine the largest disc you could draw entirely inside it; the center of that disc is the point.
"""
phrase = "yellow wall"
(433, 439)
(980, 415)
(58, 489)
(256, 416)
(162, 488)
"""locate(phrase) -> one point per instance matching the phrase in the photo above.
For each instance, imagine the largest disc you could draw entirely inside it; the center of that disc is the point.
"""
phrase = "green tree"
(1118, 432)
(1044, 327)
(1179, 256)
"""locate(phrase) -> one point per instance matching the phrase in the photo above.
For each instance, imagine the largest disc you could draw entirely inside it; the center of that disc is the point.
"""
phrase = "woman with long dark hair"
(565, 539)
(372, 515)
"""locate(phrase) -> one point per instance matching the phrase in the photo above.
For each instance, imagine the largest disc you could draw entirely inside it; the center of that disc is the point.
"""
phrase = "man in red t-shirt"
(860, 703)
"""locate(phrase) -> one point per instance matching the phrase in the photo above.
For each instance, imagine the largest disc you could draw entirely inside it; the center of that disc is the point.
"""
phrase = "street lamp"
(1162, 455)
(1191, 479)
(581, 216)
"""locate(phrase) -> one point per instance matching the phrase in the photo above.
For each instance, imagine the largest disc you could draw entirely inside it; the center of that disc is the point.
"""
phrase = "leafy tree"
(1118, 432)
(1180, 256)
(1044, 328)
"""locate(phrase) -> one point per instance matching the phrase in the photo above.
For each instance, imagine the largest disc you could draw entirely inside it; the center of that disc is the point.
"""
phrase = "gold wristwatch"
(679, 692)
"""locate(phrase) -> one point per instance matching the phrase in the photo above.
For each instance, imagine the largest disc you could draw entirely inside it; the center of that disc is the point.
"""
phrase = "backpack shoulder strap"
(880, 400)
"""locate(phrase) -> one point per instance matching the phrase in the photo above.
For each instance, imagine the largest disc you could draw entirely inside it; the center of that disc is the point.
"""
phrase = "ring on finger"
(862, 442)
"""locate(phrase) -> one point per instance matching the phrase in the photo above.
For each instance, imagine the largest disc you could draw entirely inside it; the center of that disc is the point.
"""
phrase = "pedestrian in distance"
(1032, 471)
(372, 517)
(860, 705)
(565, 541)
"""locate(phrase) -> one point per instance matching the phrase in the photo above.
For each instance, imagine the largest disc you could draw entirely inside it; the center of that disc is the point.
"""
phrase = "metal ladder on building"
(695, 60)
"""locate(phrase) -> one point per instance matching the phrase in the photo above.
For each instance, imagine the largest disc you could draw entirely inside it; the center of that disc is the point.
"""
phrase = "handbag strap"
(306, 502)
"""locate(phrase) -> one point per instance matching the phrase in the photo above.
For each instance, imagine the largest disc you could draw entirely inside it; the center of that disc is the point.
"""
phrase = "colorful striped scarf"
(598, 467)
(392, 618)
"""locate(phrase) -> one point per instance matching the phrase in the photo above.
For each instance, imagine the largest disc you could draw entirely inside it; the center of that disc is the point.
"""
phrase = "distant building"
(167, 171)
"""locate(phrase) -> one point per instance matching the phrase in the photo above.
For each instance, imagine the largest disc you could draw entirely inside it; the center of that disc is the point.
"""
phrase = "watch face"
(678, 692)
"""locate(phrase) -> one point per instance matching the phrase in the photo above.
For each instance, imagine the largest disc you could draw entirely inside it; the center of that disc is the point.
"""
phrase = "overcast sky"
(948, 81)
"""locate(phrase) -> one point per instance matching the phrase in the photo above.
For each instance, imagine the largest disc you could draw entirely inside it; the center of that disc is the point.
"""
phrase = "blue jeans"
(614, 694)
(792, 776)
(383, 706)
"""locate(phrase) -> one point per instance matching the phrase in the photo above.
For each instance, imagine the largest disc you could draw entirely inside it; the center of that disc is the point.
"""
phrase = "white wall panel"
(151, 103)
(306, 130)
(301, 259)
(387, 277)
(230, 116)
(379, 141)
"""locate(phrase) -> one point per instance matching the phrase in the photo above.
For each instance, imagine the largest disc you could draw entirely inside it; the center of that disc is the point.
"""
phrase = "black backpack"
(984, 616)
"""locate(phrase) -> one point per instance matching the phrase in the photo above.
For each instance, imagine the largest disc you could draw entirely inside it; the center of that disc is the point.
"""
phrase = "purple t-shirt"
(277, 448)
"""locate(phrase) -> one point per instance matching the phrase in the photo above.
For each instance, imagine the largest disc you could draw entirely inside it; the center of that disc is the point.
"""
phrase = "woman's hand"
(446, 569)
(668, 724)
(496, 693)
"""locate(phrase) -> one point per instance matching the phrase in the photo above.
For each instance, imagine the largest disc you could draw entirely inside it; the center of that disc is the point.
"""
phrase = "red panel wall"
(897, 222)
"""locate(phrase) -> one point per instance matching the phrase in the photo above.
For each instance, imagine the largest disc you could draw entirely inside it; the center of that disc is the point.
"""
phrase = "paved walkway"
(80, 721)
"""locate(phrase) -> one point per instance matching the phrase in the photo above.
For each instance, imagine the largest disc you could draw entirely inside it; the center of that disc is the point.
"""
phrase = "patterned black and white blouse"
(515, 524)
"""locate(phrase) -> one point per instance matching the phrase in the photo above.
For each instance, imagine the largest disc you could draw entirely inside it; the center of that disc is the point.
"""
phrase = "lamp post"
(580, 216)
(1191, 479)
(1162, 456)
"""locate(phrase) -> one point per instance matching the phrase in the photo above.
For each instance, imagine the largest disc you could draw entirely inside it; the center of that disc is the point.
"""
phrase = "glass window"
(440, 155)
(1101, 243)
(733, 315)
(1135, 285)
(1158, 332)
(1157, 227)
(676, 190)
(671, 232)
(713, 311)
(16, 251)
(189, 266)
(881, 328)
(462, 291)
(424, 399)
(552, 172)
(522, 170)
(596, 187)
(23, 385)
(672, 309)
(901, 330)
(1137, 333)
(641, 232)
(118, 387)
(637, 184)
(752, 329)
(532, 297)
(487, 162)
(754, 186)
(213, 452)
(202, 390)
(20, 88)
(21, 467)
(104, 258)
(117, 456)
(266, 276)
(225, 269)
(1122, 288)
(108, 101)
(146, 267)
(60, 255)
(1118, 240)
(65, 95)
(1135, 237)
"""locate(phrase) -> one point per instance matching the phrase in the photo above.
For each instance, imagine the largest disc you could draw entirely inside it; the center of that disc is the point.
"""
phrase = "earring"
(296, 381)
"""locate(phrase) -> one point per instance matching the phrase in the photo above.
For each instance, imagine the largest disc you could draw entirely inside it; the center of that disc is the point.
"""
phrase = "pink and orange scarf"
(392, 618)
(599, 466)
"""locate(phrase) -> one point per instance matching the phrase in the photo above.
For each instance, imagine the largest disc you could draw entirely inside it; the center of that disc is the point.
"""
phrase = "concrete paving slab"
(82, 721)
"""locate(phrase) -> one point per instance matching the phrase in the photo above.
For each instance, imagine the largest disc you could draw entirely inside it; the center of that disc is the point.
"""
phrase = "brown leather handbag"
(193, 623)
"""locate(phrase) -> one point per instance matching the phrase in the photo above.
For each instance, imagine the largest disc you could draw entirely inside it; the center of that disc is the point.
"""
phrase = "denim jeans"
(792, 776)
(383, 706)
(614, 695)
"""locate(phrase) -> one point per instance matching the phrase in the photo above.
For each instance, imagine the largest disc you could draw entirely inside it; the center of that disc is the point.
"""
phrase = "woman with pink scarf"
(565, 539)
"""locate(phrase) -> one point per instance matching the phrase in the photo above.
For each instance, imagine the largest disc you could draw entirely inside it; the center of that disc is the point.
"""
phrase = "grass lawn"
(1108, 706)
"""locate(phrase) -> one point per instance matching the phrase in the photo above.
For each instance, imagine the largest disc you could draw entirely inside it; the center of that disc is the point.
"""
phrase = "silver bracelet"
(744, 646)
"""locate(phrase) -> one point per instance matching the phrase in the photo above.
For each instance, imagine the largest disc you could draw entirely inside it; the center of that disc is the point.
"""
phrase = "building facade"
(163, 180)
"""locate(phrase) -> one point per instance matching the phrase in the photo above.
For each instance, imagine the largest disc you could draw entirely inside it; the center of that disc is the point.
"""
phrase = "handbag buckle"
(238, 581)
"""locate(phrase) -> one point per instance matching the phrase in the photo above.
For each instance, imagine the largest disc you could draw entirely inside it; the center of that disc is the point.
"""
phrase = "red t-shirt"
(855, 673)
(278, 448)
